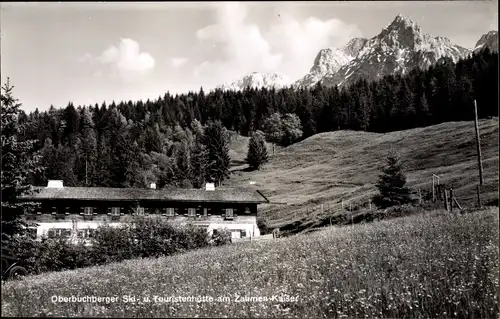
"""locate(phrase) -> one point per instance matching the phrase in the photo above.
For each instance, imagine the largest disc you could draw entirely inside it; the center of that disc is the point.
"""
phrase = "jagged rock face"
(400, 47)
(488, 40)
(327, 61)
(354, 46)
(258, 80)
(330, 61)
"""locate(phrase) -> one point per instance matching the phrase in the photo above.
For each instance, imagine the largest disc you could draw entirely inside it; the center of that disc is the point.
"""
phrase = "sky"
(92, 52)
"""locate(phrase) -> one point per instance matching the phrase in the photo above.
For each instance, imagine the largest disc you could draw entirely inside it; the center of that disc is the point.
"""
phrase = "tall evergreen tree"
(89, 147)
(217, 145)
(199, 159)
(18, 161)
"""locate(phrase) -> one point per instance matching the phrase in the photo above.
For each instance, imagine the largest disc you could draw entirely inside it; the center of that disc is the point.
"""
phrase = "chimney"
(153, 186)
(55, 184)
(210, 186)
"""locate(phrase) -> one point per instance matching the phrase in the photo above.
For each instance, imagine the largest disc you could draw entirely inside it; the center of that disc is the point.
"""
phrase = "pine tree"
(391, 184)
(199, 161)
(182, 154)
(89, 146)
(102, 173)
(257, 150)
(18, 161)
(218, 160)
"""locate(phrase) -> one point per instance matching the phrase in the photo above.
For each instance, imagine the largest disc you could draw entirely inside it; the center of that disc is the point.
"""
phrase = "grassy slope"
(428, 265)
(345, 164)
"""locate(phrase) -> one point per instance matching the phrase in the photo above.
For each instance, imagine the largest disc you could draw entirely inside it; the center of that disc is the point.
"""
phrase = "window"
(243, 233)
(88, 210)
(32, 233)
(140, 211)
(59, 232)
(86, 233)
(205, 212)
(229, 213)
(170, 211)
(191, 212)
(115, 213)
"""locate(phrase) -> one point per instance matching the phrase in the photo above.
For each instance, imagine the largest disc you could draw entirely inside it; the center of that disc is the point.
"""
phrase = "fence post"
(478, 196)
(419, 197)
(451, 200)
(342, 200)
(370, 204)
(433, 189)
(446, 200)
(350, 206)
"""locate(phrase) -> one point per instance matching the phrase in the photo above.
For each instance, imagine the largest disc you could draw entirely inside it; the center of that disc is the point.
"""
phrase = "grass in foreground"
(428, 265)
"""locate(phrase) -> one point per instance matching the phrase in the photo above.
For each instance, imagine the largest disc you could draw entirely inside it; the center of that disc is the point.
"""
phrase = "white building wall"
(249, 225)
(251, 229)
(43, 227)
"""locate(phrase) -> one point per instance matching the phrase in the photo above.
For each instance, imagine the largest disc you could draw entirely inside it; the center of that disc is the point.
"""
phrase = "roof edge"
(260, 193)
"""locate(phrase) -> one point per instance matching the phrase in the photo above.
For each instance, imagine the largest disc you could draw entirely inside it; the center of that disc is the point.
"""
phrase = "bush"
(221, 236)
(141, 238)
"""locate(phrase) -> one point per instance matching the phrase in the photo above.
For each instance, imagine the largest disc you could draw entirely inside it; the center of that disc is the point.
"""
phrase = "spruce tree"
(199, 161)
(257, 151)
(217, 145)
(391, 184)
(18, 162)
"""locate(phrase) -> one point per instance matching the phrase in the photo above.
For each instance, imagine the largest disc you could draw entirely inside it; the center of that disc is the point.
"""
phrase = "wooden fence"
(437, 193)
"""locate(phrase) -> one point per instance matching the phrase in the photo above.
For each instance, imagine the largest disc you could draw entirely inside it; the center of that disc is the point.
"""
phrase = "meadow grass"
(427, 265)
(328, 167)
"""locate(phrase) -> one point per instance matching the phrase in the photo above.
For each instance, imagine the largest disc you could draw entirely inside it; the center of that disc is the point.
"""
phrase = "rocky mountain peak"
(402, 32)
(489, 40)
(399, 47)
(257, 80)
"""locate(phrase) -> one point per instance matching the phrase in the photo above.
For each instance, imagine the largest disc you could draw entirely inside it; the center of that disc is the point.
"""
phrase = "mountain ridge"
(488, 40)
(257, 80)
(400, 46)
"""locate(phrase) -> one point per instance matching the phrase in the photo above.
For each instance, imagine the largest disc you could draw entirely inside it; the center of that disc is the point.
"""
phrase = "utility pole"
(478, 144)
(86, 184)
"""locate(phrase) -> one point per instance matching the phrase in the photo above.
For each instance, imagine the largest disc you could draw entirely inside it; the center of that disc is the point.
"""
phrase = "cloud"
(126, 59)
(289, 46)
(300, 41)
(178, 62)
(243, 47)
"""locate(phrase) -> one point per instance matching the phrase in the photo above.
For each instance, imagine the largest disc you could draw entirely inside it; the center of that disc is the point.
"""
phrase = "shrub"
(141, 238)
(257, 150)
(391, 184)
(221, 236)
